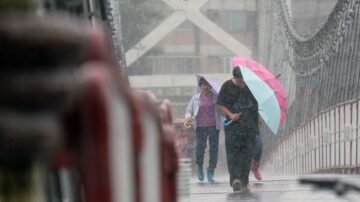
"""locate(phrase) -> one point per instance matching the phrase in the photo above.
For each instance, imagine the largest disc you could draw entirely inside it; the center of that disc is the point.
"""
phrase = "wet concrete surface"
(271, 189)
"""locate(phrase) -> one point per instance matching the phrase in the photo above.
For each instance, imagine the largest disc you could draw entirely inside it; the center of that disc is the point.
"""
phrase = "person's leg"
(201, 137)
(232, 143)
(230, 154)
(258, 149)
(245, 156)
(213, 153)
(257, 157)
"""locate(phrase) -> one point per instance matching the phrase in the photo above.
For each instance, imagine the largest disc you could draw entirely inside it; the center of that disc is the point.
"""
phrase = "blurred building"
(169, 68)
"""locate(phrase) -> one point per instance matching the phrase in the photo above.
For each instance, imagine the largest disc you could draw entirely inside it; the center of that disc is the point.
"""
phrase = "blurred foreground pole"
(185, 146)
(112, 17)
(70, 127)
(53, 126)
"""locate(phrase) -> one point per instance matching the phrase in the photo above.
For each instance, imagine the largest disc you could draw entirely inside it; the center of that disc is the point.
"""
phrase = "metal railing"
(320, 74)
(327, 143)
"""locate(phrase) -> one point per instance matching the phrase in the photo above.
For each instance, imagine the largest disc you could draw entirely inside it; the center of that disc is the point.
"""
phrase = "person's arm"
(228, 113)
(222, 102)
(189, 111)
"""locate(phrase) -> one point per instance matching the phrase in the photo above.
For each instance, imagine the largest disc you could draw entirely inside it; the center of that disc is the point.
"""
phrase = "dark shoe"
(236, 184)
(255, 170)
(200, 172)
(210, 175)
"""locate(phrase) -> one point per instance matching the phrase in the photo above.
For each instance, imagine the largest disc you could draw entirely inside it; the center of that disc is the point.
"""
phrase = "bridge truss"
(320, 72)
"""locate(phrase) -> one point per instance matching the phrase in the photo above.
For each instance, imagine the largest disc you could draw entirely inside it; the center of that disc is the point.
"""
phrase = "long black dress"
(239, 135)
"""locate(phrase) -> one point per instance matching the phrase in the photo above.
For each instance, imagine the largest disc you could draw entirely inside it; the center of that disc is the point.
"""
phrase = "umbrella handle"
(227, 122)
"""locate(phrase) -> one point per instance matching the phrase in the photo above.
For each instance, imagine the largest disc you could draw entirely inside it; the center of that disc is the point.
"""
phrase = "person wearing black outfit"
(236, 101)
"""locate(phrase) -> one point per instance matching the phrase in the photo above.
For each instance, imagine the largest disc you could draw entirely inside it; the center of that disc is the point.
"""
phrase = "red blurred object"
(117, 144)
(158, 158)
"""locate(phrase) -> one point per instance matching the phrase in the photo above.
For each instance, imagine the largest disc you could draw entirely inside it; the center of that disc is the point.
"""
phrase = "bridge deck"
(276, 189)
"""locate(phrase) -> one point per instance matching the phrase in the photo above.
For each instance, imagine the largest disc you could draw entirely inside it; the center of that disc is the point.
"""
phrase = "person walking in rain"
(239, 105)
(202, 113)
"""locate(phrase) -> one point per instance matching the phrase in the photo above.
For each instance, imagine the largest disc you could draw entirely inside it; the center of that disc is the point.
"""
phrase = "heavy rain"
(179, 100)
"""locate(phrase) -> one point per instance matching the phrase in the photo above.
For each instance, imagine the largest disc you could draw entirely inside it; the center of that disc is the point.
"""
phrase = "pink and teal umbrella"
(268, 78)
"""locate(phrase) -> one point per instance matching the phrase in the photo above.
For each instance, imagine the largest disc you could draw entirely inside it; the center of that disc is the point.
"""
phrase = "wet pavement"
(271, 189)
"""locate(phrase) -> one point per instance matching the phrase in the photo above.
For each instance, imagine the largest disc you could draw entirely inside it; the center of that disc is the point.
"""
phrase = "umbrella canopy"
(215, 85)
(268, 78)
(269, 108)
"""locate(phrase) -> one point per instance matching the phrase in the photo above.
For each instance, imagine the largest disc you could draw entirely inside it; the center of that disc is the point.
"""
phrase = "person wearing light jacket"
(206, 119)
